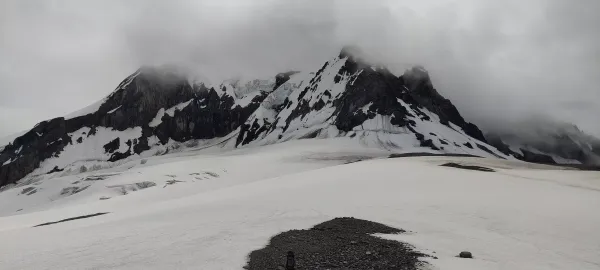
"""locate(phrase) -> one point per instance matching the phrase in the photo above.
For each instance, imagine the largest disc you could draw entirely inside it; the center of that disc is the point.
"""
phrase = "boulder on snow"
(465, 255)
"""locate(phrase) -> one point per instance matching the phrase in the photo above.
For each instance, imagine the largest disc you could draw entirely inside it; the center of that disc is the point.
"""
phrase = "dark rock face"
(537, 158)
(526, 156)
(140, 100)
(112, 146)
(209, 116)
(281, 78)
(499, 144)
(55, 169)
(546, 139)
(45, 140)
(382, 89)
(341, 243)
(418, 82)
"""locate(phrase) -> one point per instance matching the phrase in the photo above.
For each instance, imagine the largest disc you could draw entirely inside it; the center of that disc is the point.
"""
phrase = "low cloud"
(497, 61)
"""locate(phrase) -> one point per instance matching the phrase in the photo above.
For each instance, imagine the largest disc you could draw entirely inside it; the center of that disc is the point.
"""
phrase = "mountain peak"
(416, 78)
(355, 55)
(350, 51)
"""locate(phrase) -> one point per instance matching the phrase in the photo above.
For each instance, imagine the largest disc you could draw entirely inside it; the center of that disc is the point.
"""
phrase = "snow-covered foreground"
(520, 217)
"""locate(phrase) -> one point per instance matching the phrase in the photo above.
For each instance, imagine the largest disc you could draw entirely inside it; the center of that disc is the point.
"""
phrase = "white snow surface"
(229, 203)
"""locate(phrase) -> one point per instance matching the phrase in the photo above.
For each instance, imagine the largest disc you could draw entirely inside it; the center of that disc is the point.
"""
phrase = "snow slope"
(509, 219)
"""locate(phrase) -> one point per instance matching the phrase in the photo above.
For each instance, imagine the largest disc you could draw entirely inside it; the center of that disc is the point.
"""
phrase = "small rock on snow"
(466, 255)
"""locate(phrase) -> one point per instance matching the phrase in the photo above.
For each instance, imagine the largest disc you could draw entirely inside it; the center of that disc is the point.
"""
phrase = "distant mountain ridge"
(541, 140)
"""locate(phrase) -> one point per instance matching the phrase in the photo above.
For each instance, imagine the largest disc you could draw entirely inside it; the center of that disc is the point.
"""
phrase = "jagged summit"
(417, 78)
(283, 77)
(357, 59)
(156, 108)
(351, 52)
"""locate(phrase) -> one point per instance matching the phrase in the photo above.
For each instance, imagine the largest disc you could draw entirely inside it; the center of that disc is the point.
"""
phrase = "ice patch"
(246, 100)
(365, 109)
(356, 77)
(171, 111)
(158, 118)
(115, 109)
(153, 140)
(7, 162)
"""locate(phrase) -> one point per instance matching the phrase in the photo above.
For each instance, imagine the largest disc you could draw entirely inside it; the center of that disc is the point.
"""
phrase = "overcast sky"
(496, 60)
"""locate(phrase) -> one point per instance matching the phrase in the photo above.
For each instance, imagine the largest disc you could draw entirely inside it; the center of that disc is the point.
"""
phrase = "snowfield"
(209, 209)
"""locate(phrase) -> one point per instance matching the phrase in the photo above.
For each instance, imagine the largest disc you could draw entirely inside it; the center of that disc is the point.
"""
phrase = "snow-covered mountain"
(539, 139)
(157, 108)
(168, 172)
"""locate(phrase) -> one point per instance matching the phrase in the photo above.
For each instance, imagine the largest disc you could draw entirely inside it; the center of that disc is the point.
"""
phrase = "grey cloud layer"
(496, 60)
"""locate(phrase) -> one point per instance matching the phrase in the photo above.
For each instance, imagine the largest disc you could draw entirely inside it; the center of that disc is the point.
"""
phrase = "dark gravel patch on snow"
(70, 219)
(430, 155)
(467, 167)
(581, 167)
(341, 243)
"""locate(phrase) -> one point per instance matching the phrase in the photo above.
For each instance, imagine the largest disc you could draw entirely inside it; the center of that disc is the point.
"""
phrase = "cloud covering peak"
(496, 61)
